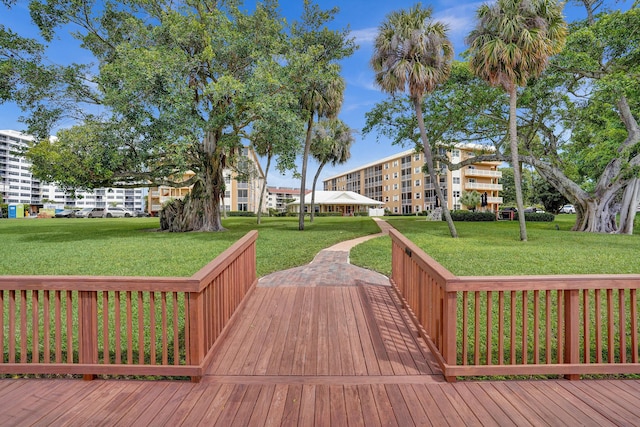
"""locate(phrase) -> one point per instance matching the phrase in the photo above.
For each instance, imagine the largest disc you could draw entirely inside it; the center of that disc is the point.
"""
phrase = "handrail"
(568, 325)
(101, 325)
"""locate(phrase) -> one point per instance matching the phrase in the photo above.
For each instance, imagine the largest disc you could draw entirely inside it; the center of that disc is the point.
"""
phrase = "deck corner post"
(88, 330)
(449, 326)
(572, 330)
(196, 329)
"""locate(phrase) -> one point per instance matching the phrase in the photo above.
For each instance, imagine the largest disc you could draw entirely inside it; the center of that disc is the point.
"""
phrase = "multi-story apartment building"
(19, 186)
(278, 198)
(401, 182)
(240, 195)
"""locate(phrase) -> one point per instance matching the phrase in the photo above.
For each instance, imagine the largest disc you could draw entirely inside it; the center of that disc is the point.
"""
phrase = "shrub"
(240, 213)
(472, 216)
(537, 217)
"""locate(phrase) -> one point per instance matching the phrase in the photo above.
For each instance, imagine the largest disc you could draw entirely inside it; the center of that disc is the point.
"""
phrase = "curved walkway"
(331, 267)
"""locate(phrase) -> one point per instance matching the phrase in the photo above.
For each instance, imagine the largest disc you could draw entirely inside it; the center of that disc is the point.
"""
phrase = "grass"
(133, 247)
(494, 248)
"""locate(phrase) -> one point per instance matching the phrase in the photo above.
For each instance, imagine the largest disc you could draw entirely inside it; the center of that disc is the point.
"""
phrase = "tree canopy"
(577, 121)
(412, 53)
(178, 85)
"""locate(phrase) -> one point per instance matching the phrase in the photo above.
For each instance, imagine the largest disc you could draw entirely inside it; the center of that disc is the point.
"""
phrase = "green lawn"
(494, 248)
(134, 247)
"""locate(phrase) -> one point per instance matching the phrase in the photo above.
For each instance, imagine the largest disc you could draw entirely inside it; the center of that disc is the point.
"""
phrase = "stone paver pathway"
(331, 267)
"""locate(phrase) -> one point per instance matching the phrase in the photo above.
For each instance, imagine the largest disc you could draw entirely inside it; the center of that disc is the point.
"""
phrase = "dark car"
(66, 213)
(533, 210)
(140, 214)
(508, 213)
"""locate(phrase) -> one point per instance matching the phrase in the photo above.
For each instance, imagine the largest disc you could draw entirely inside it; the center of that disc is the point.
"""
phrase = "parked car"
(66, 213)
(508, 213)
(118, 212)
(567, 209)
(140, 214)
(533, 209)
(96, 213)
(83, 213)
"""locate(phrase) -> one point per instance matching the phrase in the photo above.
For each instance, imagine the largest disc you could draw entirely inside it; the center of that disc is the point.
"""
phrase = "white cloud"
(460, 19)
(365, 35)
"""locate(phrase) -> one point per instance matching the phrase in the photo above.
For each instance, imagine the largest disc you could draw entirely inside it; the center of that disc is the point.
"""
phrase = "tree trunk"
(313, 190)
(264, 185)
(200, 209)
(513, 144)
(629, 206)
(303, 179)
(431, 167)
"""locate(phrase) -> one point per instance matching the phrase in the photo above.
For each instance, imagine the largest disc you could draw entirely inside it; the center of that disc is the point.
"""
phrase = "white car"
(84, 213)
(568, 209)
(118, 212)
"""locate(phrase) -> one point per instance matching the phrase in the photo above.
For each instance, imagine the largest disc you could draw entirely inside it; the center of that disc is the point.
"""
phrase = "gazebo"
(344, 202)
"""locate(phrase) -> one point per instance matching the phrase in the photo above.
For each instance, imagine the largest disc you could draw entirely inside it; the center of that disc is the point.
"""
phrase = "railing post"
(195, 338)
(572, 330)
(449, 330)
(88, 329)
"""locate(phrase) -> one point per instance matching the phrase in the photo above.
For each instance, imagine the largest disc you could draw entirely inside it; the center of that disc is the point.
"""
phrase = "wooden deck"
(323, 355)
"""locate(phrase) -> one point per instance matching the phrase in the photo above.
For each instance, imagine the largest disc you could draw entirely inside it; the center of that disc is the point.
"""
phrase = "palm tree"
(412, 50)
(322, 99)
(512, 42)
(331, 143)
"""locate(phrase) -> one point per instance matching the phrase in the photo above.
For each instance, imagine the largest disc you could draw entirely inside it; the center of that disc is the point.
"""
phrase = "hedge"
(472, 216)
(537, 217)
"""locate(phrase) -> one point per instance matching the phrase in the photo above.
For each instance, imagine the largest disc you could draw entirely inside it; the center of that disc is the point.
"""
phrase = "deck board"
(323, 355)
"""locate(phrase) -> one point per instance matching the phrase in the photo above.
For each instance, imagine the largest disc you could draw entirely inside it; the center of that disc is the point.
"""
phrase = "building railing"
(483, 172)
(519, 325)
(158, 326)
(482, 186)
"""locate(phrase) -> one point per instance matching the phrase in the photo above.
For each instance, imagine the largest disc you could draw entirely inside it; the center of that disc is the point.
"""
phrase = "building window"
(386, 199)
(455, 153)
(417, 195)
(456, 194)
(417, 170)
(395, 198)
(416, 157)
(417, 184)
(395, 163)
(386, 188)
(456, 180)
(417, 209)
(395, 175)
(386, 165)
(395, 186)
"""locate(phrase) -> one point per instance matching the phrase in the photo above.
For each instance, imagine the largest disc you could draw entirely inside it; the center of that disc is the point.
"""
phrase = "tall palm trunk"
(264, 185)
(303, 179)
(431, 167)
(513, 145)
(313, 191)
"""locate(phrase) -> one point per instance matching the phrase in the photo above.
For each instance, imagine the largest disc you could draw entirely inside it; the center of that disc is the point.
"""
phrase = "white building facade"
(18, 185)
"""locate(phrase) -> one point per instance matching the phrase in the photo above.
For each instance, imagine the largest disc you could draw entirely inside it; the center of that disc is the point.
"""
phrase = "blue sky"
(362, 17)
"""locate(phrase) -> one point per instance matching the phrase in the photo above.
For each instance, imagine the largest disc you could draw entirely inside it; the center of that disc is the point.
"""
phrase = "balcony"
(482, 186)
(483, 172)
(494, 200)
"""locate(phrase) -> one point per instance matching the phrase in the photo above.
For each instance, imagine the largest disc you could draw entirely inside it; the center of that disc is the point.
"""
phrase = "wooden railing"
(141, 326)
(519, 325)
